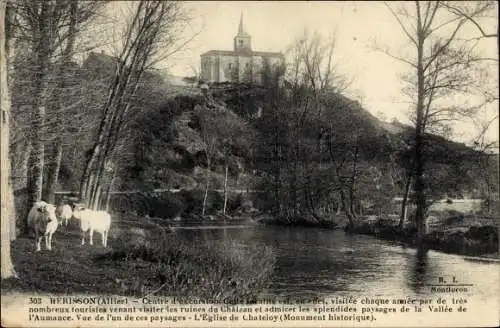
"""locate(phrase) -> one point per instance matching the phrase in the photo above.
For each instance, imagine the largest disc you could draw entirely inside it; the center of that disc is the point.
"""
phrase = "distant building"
(239, 65)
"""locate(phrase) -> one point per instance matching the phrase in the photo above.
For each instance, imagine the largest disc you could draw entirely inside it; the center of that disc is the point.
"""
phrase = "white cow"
(64, 213)
(43, 221)
(91, 221)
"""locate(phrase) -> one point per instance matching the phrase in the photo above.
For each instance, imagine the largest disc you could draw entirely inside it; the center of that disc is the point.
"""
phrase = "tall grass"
(216, 270)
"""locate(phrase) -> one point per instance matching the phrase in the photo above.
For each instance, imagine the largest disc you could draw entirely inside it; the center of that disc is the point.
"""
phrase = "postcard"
(249, 164)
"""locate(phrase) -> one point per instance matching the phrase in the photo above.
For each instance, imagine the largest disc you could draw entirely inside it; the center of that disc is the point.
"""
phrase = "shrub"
(166, 205)
(219, 270)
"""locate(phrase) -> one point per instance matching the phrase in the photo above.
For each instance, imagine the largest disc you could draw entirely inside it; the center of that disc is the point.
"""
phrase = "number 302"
(35, 300)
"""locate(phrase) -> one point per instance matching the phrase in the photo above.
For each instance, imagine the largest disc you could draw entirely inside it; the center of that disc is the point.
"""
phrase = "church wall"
(224, 68)
(245, 68)
(207, 66)
(257, 69)
(215, 71)
(274, 60)
(227, 68)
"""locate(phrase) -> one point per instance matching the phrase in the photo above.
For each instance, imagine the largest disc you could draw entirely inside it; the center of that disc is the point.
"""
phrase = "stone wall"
(227, 68)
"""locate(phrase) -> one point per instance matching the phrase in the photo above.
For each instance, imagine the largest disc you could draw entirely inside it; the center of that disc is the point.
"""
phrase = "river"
(321, 262)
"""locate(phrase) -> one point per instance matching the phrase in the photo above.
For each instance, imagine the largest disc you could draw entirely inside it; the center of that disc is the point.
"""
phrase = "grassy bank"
(473, 236)
(171, 205)
(450, 233)
(142, 258)
(330, 222)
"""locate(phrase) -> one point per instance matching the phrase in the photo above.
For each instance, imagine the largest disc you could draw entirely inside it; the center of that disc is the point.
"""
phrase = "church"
(240, 65)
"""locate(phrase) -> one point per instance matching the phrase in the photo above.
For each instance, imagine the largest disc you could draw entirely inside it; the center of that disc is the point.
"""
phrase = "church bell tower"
(242, 40)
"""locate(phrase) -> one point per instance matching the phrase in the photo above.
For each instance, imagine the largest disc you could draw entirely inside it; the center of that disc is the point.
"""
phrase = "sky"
(357, 26)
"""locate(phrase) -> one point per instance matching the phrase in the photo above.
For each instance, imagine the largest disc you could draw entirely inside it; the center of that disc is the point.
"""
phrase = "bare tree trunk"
(97, 197)
(205, 198)
(347, 209)
(41, 54)
(24, 164)
(404, 205)
(36, 159)
(66, 60)
(293, 193)
(225, 189)
(95, 186)
(352, 187)
(89, 185)
(7, 205)
(277, 177)
(339, 204)
(86, 184)
(310, 201)
(418, 155)
(54, 173)
(35, 170)
(108, 192)
(9, 50)
(206, 192)
(12, 210)
(140, 39)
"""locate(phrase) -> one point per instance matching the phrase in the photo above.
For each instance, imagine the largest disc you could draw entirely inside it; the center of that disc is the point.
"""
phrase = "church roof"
(241, 30)
(242, 53)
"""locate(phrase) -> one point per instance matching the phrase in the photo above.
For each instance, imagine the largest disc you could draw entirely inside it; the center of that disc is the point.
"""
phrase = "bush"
(166, 205)
(223, 271)
(169, 205)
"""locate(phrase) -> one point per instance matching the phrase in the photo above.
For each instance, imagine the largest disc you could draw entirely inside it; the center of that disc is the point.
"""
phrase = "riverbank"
(471, 241)
(142, 258)
(471, 236)
(336, 222)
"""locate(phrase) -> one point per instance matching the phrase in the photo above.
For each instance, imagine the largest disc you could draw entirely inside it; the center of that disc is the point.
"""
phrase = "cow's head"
(48, 211)
(76, 209)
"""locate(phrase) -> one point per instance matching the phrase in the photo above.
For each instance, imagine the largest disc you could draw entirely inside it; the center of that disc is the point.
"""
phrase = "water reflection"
(321, 262)
(418, 275)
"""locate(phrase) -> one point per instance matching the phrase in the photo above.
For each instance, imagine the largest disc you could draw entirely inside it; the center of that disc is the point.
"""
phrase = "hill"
(165, 145)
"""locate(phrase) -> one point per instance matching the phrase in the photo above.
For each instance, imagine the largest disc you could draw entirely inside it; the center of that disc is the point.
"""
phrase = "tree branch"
(403, 27)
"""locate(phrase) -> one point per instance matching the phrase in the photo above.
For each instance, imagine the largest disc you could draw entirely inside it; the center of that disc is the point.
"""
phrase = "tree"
(79, 14)
(149, 36)
(208, 121)
(306, 131)
(233, 134)
(474, 17)
(442, 68)
(7, 205)
(46, 30)
(486, 162)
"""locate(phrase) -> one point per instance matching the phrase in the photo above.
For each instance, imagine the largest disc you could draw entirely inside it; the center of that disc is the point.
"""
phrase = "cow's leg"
(83, 238)
(104, 237)
(38, 242)
(48, 239)
(91, 236)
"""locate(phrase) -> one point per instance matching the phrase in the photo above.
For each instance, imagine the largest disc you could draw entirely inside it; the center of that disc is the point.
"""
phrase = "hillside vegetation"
(302, 159)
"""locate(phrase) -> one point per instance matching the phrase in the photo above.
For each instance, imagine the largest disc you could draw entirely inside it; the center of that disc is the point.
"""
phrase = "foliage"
(312, 149)
(444, 68)
(143, 260)
(210, 270)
